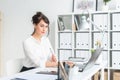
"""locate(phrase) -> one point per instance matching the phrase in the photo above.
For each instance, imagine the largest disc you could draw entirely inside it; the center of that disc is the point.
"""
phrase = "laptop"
(91, 61)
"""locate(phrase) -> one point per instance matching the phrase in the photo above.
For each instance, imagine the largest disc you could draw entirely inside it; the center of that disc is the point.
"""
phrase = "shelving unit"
(74, 42)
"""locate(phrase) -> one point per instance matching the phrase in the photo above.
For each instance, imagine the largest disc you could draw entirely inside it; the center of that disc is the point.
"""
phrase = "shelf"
(114, 50)
(64, 49)
(114, 31)
(82, 31)
(111, 68)
(82, 41)
(81, 49)
(69, 31)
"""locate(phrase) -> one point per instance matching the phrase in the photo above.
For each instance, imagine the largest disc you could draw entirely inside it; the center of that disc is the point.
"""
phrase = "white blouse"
(36, 53)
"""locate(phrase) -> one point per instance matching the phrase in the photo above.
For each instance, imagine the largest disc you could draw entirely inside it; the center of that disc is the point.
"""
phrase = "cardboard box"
(105, 75)
(116, 75)
(96, 76)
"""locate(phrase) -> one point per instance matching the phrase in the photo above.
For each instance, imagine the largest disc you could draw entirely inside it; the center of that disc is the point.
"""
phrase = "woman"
(37, 48)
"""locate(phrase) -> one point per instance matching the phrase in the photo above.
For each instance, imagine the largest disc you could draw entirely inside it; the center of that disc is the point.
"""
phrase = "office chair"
(14, 66)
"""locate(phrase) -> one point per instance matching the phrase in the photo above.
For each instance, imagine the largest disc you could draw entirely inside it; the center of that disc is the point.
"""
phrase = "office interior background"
(17, 26)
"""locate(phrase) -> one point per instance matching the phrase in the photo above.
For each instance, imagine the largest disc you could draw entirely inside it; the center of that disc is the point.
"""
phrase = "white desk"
(86, 74)
(31, 74)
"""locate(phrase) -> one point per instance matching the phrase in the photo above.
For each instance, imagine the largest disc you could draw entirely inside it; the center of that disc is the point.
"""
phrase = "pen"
(53, 55)
(51, 51)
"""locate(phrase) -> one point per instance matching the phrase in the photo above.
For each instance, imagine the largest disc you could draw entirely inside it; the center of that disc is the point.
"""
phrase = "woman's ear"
(34, 26)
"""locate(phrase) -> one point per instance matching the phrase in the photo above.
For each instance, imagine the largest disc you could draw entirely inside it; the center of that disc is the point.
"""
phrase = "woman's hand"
(53, 58)
(52, 62)
(70, 63)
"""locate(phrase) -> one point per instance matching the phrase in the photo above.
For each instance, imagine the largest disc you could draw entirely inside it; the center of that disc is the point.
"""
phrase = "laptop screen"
(63, 69)
(93, 58)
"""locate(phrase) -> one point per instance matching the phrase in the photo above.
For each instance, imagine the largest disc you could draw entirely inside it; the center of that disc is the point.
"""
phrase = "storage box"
(96, 76)
(116, 75)
(105, 75)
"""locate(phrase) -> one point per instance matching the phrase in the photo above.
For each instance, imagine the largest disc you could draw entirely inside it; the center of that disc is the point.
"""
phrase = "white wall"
(17, 22)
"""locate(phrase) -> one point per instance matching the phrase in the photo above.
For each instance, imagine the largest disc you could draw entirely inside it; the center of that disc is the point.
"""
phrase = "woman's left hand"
(54, 58)
(70, 63)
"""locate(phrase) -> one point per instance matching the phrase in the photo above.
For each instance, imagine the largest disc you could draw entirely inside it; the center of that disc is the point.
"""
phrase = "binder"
(61, 25)
(77, 22)
(65, 40)
(115, 21)
(65, 54)
(116, 59)
(82, 40)
(115, 40)
(101, 20)
(102, 38)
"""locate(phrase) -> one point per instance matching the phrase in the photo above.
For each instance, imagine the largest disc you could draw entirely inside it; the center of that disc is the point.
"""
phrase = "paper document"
(47, 72)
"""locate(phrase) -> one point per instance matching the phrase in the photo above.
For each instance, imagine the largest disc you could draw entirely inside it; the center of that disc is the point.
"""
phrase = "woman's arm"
(30, 54)
(51, 64)
(53, 58)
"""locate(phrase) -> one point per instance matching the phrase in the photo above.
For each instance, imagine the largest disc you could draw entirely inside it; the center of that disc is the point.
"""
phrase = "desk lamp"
(84, 24)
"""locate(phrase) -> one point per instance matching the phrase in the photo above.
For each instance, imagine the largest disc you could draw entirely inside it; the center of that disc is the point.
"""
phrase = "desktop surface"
(82, 75)
(33, 74)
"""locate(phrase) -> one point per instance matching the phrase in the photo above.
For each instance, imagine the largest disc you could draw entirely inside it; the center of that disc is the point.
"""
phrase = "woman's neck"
(37, 37)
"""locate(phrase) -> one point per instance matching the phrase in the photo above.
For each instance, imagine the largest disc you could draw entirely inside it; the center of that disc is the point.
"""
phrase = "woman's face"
(41, 28)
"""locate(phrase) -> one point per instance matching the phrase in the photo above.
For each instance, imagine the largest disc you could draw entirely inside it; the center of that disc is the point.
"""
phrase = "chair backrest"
(14, 66)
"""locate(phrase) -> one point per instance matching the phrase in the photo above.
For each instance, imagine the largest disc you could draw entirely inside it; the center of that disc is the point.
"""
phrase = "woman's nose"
(44, 28)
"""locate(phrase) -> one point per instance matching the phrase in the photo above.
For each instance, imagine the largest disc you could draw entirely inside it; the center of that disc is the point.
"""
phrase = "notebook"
(91, 61)
(47, 72)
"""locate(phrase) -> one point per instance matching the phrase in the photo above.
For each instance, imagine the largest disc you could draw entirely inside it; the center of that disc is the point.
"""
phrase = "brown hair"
(38, 17)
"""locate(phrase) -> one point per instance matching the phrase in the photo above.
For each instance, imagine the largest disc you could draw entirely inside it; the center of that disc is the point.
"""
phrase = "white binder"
(115, 40)
(101, 20)
(64, 54)
(116, 21)
(82, 40)
(115, 59)
(65, 40)
(102, 38)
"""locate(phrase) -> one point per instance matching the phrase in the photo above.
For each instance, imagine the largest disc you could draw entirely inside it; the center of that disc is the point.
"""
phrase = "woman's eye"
(41, 25)
(46, 26)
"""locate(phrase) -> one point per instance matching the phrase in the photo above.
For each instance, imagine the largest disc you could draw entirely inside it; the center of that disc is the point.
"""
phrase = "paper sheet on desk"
(47, 72)
(37, 77)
